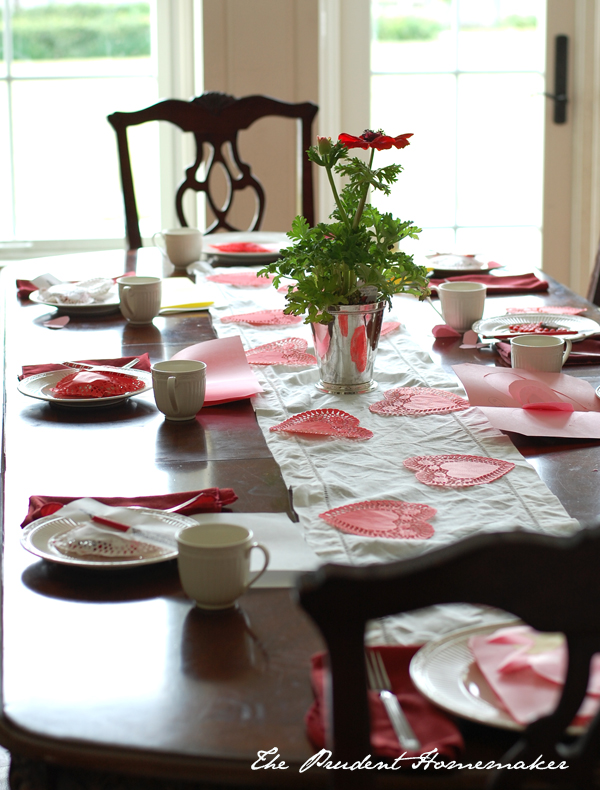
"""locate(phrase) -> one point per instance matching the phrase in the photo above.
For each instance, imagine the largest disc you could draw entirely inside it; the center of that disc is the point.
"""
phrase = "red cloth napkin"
(585, 352)
(31, 370)
(212, 501)
(432, 727)
(511, 284)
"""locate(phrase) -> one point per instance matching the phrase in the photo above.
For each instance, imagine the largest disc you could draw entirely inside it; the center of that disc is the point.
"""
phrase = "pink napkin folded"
(212, 501)
(526, 670)
(32, 370)
(432, 727)
(511, 284)
(584, 352)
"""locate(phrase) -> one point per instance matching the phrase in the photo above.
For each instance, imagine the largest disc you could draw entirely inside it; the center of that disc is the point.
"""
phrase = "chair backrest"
(551, 583)
(215, 120)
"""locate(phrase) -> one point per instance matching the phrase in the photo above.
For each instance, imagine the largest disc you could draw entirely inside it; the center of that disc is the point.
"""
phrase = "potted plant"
(345, 272)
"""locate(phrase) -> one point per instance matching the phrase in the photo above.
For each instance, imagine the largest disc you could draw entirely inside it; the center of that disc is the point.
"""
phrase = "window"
(65, 66)
(467, 78)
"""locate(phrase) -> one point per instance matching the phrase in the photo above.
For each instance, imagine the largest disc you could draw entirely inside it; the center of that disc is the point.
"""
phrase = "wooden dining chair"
(215, 120)
(593, 294)
(551, 583)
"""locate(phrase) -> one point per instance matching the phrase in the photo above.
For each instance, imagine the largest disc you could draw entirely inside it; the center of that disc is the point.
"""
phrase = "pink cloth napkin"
(212, 501)
(527, 674)
(32, 370)
(432, 727)
(585, 352)
(511, 284)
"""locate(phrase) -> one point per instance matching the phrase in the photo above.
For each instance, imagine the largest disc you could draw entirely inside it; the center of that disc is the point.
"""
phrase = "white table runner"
(325, 473)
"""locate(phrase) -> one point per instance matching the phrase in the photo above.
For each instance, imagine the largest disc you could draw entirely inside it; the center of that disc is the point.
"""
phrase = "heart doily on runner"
(262, 318)
(243, 279)
(557, 310)
(290, 351)
(324, 422)
(457, 471)
(383, 518)
(418, 400)
(389, 326)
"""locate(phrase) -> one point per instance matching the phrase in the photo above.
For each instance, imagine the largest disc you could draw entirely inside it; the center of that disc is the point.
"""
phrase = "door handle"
(561, 54)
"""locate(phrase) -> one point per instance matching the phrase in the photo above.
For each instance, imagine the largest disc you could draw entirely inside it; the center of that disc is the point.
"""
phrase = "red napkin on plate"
(31, 370)
(212, 501)
(585, 352)
(432, 727)
(511, 284)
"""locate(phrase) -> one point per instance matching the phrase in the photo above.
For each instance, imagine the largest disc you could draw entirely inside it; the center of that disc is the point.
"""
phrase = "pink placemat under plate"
(383, 518)
(289, 351)
(457, 471)
(242, 279)
(263, 318)
(324, 422)
(415, 401)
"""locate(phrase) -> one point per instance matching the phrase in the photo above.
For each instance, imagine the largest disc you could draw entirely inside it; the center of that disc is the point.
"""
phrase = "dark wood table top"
(114, 670)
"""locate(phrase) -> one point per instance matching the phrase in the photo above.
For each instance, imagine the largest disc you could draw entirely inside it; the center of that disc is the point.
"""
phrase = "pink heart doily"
(418, 400)
(457, 471)
(243, 279)
(262, 318)
(324, 422)
(383, 518)
(562, 310)
(290, 351)
(389, 326)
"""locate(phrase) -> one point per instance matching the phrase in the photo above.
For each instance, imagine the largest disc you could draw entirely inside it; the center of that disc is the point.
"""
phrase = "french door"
(488, 169)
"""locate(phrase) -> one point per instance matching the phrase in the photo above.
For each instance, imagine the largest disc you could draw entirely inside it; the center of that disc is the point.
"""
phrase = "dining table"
(111, 677)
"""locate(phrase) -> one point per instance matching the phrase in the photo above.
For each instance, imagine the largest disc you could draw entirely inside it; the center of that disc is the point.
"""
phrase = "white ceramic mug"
(182, 246)
(462, 303)
(214, 563)
(539, 352)
(179, 387)
(140, 298)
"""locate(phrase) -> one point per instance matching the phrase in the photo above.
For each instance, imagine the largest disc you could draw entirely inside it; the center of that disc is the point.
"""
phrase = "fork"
(85, 366)
(379, 681)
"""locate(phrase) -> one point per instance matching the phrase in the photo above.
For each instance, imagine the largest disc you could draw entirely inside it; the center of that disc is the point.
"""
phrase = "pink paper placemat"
(229, 377)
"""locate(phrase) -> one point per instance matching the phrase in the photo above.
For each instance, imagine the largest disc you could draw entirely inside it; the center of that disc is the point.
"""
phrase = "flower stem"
(336, 196)
(361, 205)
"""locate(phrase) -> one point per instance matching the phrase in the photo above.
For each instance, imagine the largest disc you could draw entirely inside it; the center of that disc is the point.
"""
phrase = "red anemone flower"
(378, 140)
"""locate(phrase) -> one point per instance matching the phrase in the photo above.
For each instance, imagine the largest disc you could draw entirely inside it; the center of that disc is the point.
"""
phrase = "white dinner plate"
(457, 264)
(39, 386)
(445, 672)
(105, 307)
(499, 325)
(36, 539)
(272, 241)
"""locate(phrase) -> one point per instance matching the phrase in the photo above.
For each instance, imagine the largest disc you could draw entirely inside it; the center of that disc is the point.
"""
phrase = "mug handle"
(171, 382)
(125, 294)
(264, 567)
(160, 246)
(568, 347)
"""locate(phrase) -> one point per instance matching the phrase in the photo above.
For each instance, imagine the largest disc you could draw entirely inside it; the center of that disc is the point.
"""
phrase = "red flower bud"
(324, 145)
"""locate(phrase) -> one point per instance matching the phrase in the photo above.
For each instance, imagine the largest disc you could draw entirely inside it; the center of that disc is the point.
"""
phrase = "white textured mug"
(182, 246)
(539, 352)
(140, 298)
(214, 563)
(179, 387)
(462, 303)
